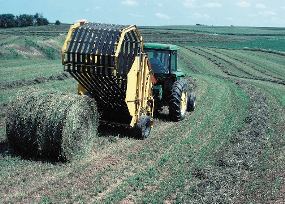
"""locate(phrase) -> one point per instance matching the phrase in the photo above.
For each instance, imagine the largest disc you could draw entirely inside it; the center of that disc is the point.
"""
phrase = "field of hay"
(229, 150)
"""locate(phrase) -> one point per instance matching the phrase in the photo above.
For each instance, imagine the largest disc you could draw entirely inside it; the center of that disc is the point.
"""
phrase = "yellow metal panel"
(132, 90)
(124, 31)
(68, 38)
(139, 89)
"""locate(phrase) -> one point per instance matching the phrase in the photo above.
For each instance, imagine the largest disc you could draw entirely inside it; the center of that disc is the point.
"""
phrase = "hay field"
(229, 150)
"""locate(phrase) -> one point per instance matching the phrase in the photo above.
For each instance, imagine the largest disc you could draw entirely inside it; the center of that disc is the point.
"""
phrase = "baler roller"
(100, 57)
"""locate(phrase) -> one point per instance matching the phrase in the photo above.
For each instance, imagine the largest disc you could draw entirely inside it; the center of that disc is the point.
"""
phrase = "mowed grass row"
(164, 167)
(90, 175)
(268, 70)
(200, 136)
(267, 179)
(245, 67)
(267, 63)
(238, 63)
(136, 159)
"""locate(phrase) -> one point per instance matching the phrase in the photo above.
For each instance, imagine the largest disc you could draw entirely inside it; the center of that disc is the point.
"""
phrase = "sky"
(155, 12)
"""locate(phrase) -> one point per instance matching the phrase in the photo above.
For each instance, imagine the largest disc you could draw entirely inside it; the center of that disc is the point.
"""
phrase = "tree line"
(23, 20)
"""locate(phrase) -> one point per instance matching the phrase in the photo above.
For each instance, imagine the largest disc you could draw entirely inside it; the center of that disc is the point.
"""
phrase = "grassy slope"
(221, 37)
(189, 161)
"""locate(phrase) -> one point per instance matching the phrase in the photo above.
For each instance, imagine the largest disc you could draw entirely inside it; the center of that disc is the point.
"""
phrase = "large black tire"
(143, 127)
(178, 106)
(191, 102)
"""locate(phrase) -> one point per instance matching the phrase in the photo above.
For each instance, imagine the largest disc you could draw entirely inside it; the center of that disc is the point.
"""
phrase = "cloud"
(162, 16)
(267, 13)
(260, 6)
(93, 8)
(129, 2)
(201, 15)
(159, 5)
(213, 5)
(243, 4)
(189, 3)
(135, 15)
(194, 4)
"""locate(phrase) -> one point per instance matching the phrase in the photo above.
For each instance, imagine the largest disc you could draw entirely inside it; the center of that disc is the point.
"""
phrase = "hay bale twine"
(51, 125)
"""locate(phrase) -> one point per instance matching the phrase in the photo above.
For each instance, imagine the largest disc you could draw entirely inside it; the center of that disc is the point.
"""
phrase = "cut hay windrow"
(51, 125)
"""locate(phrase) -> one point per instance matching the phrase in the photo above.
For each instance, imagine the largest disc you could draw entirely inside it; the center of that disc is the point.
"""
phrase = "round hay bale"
(51, 125)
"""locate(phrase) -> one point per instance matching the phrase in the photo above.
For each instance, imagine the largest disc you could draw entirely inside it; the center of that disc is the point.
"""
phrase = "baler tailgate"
(99, 57)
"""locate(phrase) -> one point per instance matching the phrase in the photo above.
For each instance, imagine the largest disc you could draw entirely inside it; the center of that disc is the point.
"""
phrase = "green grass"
(233, 30)
(28, 69)
(268, 43)
(210, 157)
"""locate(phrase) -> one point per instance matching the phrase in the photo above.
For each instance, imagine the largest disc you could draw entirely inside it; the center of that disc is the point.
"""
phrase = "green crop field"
(231, 149)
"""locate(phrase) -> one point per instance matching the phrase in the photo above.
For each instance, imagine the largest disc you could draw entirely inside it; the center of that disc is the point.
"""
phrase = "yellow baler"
(110, 66)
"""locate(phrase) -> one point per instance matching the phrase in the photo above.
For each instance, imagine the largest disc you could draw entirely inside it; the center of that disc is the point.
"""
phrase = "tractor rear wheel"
(143, 127)
(178, 101)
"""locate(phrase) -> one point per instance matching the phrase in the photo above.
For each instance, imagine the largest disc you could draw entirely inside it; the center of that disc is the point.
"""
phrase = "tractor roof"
(159, 46)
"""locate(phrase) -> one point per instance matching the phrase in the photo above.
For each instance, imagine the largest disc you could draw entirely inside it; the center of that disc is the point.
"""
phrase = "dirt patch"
(25, 51)
(51, 125)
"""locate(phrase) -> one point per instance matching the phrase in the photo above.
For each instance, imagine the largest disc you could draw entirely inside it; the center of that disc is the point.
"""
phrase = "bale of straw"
(51, 125)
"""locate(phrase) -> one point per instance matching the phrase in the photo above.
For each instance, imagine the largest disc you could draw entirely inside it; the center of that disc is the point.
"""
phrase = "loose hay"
(51, 125)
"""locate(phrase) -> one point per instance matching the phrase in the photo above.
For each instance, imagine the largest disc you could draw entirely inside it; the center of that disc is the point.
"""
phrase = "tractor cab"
(163, 59)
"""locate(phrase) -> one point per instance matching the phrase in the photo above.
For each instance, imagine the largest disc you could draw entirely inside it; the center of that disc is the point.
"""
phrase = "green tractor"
(170, 87)
(129, 80)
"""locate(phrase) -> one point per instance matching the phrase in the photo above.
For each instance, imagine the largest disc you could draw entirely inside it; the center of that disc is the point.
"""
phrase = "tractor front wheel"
(178, 101)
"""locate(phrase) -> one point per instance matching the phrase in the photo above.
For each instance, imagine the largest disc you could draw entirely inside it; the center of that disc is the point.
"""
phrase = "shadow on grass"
(121, 131)
(6, 151)
(163, 116)
(110, 131)
(4, 148)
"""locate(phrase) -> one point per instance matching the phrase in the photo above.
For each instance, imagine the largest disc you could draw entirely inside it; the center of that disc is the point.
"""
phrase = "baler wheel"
(143, 127)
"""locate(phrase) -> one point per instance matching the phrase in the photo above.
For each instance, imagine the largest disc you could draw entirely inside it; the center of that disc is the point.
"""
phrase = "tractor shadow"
(163, 115)
(110, 131)
(4, 148)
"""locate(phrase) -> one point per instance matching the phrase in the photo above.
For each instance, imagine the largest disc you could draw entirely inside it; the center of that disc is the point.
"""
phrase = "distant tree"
(7, 21)
(39, 20)
(25, 20)
(42, 21)
(57, 22)
(37, 15)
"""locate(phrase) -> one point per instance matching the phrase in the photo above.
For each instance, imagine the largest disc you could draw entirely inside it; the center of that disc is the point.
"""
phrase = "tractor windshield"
(159, 61)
